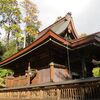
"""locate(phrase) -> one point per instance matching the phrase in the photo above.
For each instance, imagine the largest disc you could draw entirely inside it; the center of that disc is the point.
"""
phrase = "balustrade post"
(28, 74)
(58, 94)
(41, 94)
(52, 72)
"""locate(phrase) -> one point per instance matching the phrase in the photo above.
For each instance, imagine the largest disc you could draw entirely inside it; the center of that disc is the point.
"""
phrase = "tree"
(10, 51)
(3, 74)
(31, 20)
(10, 17)
(2, 50)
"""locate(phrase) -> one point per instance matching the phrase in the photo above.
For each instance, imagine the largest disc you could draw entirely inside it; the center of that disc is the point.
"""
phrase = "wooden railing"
(81, 93)
(55, 73)
(16, 81)
(82, 89)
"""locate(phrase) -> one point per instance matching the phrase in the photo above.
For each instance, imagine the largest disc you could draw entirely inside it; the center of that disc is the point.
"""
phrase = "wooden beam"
(84, 69)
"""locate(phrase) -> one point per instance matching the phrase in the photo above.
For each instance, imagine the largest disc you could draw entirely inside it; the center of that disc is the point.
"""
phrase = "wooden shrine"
(57, 55)
(56, 66)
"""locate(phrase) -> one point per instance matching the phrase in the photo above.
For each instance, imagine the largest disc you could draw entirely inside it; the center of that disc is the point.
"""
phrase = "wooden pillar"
(28, 75)
(84, 69)
(52, 72)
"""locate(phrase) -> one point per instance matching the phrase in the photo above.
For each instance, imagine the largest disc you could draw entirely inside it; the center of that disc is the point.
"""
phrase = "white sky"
(85, 13)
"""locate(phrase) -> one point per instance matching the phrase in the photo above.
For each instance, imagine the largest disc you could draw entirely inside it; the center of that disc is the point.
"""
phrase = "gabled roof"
(44, 38)
(59, 26)
(54, 31)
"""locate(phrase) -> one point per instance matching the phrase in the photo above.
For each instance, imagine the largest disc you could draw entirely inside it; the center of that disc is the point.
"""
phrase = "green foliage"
(2, 50)
(10, 51)
(10, 20)
(3, 74)
(96, 72)
(10, 17)
(2, 82)
(29, 39)
(31, 20)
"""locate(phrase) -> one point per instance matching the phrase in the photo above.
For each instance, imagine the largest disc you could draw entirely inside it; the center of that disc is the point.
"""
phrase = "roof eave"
(48, 35)
(85, 40)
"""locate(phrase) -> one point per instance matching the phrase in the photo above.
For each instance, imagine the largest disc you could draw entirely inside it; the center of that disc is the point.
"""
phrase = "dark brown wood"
(83, 89)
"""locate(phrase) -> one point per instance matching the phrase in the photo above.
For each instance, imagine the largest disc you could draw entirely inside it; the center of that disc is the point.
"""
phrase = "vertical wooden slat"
(67, 92)
(58, 94)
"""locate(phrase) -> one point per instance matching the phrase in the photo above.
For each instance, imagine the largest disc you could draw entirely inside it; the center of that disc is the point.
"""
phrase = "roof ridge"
(66, 17)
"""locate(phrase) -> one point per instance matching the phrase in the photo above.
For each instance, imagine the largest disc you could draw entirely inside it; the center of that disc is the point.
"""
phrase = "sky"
(85, 13)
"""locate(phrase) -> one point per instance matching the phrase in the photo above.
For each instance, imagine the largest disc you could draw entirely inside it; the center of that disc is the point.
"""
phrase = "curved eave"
(85, 40)
(45, 37)
(73, 28)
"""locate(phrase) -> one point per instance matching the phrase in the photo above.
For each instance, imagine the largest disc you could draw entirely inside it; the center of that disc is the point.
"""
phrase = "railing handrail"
(52, 84)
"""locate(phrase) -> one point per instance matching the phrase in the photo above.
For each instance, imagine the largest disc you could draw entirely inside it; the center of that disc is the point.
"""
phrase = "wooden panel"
(44, 75)
(60, 75)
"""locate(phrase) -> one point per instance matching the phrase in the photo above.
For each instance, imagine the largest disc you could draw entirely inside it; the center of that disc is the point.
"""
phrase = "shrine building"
(57, 54)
